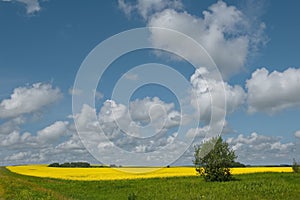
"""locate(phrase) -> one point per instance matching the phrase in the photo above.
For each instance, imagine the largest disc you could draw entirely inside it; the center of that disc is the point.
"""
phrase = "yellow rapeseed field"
(126, 173)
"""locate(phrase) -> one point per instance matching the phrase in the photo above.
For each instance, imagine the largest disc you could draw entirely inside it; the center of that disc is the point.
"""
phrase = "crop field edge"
(246, 186)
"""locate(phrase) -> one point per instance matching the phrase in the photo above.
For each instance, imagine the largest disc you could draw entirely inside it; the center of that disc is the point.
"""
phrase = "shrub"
(132, 196)
(213, 159)
(295, 166)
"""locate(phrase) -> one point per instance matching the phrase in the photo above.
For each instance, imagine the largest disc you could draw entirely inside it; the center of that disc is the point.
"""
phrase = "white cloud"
(10, 139)
(111, 111)
(30, 99)
(11, 125)
(126, 8)
(74, 143)
(261, 149)
(53, 132)
(146, 8)
(209, 94)
(273, 92)
(131, 76)
(197, 132)
(17, 156)
(143, 127)
(208, 131)
(46, 146)
(143, 118)
(75, 91)
(149, 109)
(26, 157)
(297, 134)
(17, 140)
(32, 6)
(252, 149)
(224, 31)
(86, 119)
(98, 95)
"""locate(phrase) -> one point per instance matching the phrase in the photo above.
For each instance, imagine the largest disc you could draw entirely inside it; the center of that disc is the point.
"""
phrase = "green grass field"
(247, 186)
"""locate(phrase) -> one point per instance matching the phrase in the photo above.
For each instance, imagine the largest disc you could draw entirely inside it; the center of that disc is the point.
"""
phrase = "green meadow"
(247, 186)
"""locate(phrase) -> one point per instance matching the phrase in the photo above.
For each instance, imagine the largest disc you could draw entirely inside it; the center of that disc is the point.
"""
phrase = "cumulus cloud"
(74, 91)
(131, 76)
(297, 134)
(46, 137)
(141, 127)
(73, 143)
(85, 120)
(146, 8)
(29, 99)
(275, 91)
(17, 156)
(58, 142)
(77, 92)
(10, 139)
(208, 93)
(32, 6)
(149, 109)
(53, 132)
(203, 133)
(98, 95)
(16, 140)
(261, 149)
(224, 31)
(11, 125)
(143, 117)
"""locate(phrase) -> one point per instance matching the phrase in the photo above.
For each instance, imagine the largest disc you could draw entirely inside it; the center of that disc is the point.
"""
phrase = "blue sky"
(44, 43)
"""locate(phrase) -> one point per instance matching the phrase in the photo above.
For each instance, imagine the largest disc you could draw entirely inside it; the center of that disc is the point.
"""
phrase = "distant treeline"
(71, 164)
(281, 165)
(88, 165)
(81, 165)
(237, 164)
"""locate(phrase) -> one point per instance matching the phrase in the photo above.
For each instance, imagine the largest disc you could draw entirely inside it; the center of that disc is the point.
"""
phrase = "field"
(122, 173)
(269, 185)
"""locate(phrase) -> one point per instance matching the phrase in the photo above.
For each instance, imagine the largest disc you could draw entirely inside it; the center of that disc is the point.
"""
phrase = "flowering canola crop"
(104, 173)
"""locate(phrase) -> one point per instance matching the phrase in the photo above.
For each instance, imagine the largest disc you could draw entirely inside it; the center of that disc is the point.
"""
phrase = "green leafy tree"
(54, 165)
(295, 166)
(213, 159)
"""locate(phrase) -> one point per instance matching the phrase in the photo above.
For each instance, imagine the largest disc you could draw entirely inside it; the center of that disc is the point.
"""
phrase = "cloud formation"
(262, 149)
(209, 94)
(297, 134)
(146, 8)
(32, 6)
(25, 100)
(224, 31)
(271, 92)
(131, 76)
(142, 127)
(53, 132)
(57, 142)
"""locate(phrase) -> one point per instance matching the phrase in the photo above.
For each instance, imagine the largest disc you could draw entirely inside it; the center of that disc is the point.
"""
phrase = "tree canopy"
(213, 159)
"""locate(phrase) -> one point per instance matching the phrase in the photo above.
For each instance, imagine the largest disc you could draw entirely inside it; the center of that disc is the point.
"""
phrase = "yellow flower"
(106, 173)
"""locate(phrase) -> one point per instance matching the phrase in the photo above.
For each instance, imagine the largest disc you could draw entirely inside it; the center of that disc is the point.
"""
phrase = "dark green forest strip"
(247, 186)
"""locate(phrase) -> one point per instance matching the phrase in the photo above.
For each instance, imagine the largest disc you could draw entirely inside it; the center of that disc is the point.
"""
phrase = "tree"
(72, 164)
(54, 165)
(295, 166)
(213, 159)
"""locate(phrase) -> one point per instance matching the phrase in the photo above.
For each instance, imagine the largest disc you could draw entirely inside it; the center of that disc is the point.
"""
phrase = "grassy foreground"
(246, 186)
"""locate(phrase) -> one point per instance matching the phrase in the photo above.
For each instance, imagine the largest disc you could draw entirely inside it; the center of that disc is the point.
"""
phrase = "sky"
(141, 82)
